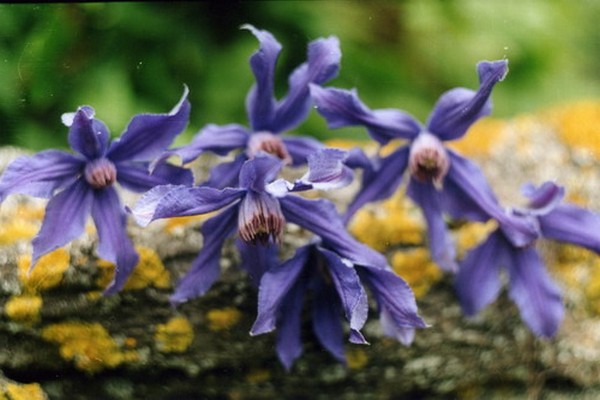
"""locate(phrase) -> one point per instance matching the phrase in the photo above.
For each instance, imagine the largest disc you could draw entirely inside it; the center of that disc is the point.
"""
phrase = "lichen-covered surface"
(61, 339)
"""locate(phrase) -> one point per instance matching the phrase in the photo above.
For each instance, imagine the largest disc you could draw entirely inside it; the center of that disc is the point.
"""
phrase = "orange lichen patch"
(172, 224)
(88, 345)
(223, 319)
(47, 272)
(471, 234)
(258, 375)
(150, 271)
(393, 222)
(480, 138)
(24, 308)
(417, 269)
(23, 224)
(356, 358)
(175, 336)
(29, 391)
(578, 124)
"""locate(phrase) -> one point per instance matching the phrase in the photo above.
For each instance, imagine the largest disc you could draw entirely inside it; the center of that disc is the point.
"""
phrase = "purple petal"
(40, 175)
(260, 103)
(300, 148)
(289, 343)
(344, 108)
(114, 244)
(393, 294)
(148, 135)
(257, 259)
(321, 218)
(543, 199)
(326, 170)
(458, 109)
(401, 334)
(65, 218)
(87, 135)
(206, 267)
(477, 282)
(323, 64)
(226, 174)
(259, 171)
(135, 176)
(572, 224)
(440, 242)
(326, 320)
(537, 296)
(178, 201)
(381, 182)
(275, 284)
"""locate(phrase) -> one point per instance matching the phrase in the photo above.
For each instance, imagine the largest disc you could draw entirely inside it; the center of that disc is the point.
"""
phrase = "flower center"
(269, 143)
(428, 160)
(100, 173)
(260, 219)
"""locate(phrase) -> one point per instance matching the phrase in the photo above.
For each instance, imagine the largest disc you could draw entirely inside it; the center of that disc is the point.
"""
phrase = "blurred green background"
(127, 58)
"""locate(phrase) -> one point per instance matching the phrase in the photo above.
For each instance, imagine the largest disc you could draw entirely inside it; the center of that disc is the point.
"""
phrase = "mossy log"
(62, 339)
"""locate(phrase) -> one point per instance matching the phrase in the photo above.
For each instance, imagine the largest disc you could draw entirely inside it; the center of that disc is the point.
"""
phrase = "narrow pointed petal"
(327, 170)
(87, 136)
(322, 65)
(321, 218)
(257, 259)
(478, 282)
(114, 244)
(289, 341)
(226, 174)
(401, 334)
(65, 218)
(260, 102)
(571, 224)
(535, 293)
(440, 242)
(205, 269)
(275, 284)
(168, 201)
(40, 175)
(459, 108)
(148, 135)
(382, 181)
(326, 321)
(342, 107)
(393, 294)
(259, 171)
(299, 148)
(135, 176)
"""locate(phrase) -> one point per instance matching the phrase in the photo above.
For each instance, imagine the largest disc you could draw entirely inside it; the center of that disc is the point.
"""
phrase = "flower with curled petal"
(83, 184)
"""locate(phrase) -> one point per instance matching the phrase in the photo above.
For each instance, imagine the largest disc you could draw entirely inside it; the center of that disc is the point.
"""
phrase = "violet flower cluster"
(253, 204)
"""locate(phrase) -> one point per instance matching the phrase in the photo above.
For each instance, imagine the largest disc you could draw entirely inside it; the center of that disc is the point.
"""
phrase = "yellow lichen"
(578, 124)
(24, 308)
(258, 375)
(417, 269)
(480, 138)
(88, 345)
(356, 358)
(29, 391)
(222, 319)
(394, 222)
(173, 224)
(47, 272)
(592, 290)
(470, 235)
(23, 224)
(175, 336)
(150, 271)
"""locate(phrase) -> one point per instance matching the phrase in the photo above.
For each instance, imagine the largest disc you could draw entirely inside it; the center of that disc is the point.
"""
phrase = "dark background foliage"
(127, 58)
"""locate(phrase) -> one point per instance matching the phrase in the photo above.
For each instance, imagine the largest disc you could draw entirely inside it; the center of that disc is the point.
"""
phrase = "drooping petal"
(289, 341)
(326, 320)
(40, 175)
(135, 176)
(226, 174)
(275, 284)
(259, 171)
(382, 181)
(87, 135)
(168, 201)
(321, 218)
(327, 170)
(257, 259)
(572, 224)
(148, 135)
(478, 282)
(114, 244)
(535, 293)
(543, 199)
(205, 268)
(299, 148)
(65, 218)
(260, 102)
(441, 246)
(459, 108)
(323, 64)
(401, 334)
(342, 107)
(393, 294)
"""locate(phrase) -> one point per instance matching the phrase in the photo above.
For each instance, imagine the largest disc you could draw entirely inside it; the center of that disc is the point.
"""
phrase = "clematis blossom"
(440, 180)
(532, 289)
(84, 183)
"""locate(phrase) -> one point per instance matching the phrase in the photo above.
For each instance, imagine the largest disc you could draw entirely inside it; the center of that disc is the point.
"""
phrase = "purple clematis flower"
(337, 289)
(268, 117)
(440, 180)
(83, 184)
(257, 211)
(535, 293)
